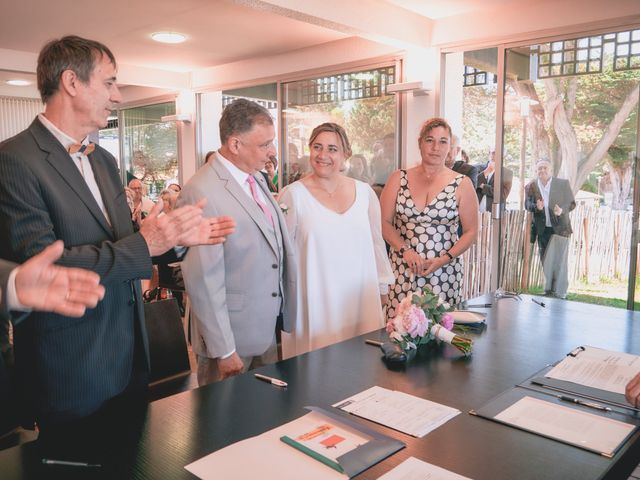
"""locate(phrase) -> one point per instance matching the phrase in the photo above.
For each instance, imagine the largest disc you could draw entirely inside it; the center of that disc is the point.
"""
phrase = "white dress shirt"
(80, 160)
(544, 191)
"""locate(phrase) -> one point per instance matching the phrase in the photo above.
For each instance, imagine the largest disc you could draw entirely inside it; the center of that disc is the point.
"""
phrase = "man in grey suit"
(550, 199)
(54, 184)
(239, 289)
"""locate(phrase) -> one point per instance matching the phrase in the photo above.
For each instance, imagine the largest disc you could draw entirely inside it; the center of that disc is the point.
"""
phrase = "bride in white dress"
(343, 269)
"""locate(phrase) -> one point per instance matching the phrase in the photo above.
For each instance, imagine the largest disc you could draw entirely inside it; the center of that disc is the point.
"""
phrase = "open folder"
(321, 444)
(579, 401)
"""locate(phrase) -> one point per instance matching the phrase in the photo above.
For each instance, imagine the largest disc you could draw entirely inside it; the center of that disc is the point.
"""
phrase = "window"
(150, 146)
(357, 101)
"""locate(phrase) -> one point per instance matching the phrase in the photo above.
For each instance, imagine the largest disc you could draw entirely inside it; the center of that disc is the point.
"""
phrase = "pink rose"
(415, 322)
(447, 321)
(390, 327)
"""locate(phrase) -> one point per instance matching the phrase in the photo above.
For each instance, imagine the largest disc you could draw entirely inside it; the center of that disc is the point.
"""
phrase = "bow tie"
(79, 148)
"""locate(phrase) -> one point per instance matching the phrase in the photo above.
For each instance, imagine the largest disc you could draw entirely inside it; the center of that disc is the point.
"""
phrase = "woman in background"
(421, 210)
(343, 269)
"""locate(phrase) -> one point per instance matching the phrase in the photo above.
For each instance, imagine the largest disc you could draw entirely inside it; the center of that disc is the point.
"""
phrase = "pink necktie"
(254, 194)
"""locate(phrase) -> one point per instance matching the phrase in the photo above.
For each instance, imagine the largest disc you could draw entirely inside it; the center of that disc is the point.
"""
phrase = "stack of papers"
(415, 469)
(597, 368)
(400, 411)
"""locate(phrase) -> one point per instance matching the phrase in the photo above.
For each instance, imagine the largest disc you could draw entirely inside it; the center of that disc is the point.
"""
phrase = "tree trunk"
(621, 177)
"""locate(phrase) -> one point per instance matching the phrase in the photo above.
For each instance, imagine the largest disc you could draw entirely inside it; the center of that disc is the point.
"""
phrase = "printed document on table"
(264, 456)
(400, 411)
(598, 368)
(569, 425)
(415, 469)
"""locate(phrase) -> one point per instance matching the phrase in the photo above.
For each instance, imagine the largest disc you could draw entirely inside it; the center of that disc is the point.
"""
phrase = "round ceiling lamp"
(168, 37)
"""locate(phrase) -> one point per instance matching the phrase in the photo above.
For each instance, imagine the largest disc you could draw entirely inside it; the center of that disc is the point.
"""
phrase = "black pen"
(67, 463)
(577, 401)
(534, 300)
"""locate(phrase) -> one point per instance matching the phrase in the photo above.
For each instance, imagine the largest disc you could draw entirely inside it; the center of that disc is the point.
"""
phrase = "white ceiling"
(221, 32)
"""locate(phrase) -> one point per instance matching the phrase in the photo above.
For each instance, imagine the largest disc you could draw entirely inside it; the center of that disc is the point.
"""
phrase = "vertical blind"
(16, 114)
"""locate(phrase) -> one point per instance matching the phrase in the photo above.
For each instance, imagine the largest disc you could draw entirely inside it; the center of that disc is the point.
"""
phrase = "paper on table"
(400, 411)
(598, 368)
(415, 469)
(569, 425)
(263, 456)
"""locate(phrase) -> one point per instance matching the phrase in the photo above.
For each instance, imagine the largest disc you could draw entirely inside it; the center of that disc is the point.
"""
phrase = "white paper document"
(598, 368)
(582, 429)
(400, 411)
(265, 456)
(415, 469)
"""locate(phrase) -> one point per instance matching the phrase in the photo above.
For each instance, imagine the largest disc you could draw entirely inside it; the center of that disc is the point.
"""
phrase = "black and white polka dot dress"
(429, 232)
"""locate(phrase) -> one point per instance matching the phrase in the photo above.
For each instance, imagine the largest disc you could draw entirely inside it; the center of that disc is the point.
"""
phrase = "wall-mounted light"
(415, 87)
(17, 82)
(178, 117)
(168, 37)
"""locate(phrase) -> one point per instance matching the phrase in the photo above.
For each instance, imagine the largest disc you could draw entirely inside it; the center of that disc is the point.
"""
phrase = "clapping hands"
(184, 226)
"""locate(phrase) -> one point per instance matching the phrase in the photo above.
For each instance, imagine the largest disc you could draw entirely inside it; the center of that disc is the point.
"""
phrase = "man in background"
(485, 183)
(240, 288)
(550, 199)
(460, 166)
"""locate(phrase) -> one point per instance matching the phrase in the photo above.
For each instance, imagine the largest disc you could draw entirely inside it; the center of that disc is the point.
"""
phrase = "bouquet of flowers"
(422, 318)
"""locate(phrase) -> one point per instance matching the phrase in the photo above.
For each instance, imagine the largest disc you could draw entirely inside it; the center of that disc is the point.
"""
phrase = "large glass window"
(574, 103)
(150, 146)
(355, 100)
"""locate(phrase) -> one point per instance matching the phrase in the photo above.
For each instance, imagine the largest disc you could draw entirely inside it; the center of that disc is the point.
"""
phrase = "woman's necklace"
(329, 193)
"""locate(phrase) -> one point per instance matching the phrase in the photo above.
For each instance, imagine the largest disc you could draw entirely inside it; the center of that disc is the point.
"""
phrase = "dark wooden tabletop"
(520, 338)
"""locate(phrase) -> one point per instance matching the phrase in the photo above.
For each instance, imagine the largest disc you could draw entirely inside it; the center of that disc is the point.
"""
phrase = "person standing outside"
(56, 185)
(239, 289)
(550, 199)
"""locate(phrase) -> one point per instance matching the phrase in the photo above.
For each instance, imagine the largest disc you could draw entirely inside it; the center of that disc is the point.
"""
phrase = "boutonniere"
(284, 208)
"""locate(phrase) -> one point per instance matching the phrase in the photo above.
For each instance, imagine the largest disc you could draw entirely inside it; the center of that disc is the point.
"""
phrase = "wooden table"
(520, 338)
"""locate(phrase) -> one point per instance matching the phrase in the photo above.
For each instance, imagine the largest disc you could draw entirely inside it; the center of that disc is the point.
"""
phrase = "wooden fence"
(598, 250)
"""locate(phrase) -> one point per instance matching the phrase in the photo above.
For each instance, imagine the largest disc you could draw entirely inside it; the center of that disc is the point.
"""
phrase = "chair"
(170, 369)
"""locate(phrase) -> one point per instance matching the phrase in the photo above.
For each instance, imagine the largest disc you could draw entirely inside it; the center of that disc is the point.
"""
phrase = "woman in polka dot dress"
(421, 209)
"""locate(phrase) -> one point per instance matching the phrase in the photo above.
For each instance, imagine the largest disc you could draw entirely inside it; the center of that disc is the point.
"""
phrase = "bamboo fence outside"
(599, 250)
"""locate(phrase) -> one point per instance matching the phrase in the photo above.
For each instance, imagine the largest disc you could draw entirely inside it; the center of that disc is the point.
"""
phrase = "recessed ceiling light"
(18, 82)
(168, 37)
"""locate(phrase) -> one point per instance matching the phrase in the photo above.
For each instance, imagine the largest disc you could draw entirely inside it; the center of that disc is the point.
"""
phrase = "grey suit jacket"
(71, 366)
(236, 289)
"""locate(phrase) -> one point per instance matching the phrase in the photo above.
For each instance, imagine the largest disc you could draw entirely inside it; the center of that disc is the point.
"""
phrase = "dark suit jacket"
(485, 188)
(70, 366)
(5, 270)
(560, 194)
(464, 168)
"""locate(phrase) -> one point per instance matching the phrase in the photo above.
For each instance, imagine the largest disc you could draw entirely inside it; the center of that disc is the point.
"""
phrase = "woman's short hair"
(431, 124)
(332, 128)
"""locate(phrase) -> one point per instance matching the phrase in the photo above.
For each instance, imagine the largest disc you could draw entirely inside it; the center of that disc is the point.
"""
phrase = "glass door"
(570, 137)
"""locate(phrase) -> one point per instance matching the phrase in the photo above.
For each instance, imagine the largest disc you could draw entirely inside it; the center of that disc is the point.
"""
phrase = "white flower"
(396, 336)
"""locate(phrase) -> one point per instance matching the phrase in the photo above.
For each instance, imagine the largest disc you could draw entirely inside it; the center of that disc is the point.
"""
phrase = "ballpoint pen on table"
(375, 343)
(584, 403)
(534, 300)
(480, 305)
(67, 463)
(271, 380)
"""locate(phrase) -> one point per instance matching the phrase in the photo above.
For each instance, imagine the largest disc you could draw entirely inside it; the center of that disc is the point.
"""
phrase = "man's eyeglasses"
(265, 147)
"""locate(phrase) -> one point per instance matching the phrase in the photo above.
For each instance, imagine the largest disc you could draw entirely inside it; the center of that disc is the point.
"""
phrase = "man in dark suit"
(460, 166)
(40, 285)
(55, 185)
(550, 199)
(484, 186)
